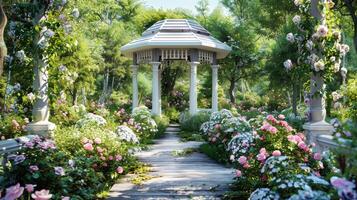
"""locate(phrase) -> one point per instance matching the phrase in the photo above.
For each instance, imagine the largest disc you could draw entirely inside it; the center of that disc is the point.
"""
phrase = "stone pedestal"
(40, 113)
(317, 113)
(215, 87)
(193, 87)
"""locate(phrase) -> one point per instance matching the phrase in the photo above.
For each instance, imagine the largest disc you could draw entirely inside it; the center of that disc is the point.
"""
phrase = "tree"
(3, 50)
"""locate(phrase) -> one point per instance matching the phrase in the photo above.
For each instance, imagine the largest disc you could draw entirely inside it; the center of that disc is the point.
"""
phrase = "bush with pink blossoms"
(272, 137)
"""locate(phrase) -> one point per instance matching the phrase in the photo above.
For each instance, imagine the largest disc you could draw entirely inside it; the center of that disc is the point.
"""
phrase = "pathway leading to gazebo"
(193, 176)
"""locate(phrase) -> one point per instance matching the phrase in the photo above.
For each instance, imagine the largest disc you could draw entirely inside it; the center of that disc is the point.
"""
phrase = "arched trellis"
(175, 39)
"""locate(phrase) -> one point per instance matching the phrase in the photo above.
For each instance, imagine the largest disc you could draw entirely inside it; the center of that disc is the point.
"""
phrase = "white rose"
(288, 64)
(290, 37)
(320, 65)
(322, 31)
(297, 19)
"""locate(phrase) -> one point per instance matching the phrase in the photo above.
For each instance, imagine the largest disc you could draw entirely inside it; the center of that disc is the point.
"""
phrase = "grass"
(190, 136)
(183, 153)
(141, 174)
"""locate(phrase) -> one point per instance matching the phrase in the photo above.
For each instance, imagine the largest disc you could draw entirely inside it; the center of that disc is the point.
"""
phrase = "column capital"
(134, 66)
(155, 63)
(215, 66)
(194, 63)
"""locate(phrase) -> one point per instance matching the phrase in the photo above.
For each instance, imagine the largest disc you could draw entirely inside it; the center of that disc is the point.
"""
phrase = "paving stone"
(193, 176)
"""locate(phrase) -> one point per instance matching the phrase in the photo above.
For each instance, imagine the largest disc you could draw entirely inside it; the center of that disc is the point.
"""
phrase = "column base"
(43, 128)
(313, 130)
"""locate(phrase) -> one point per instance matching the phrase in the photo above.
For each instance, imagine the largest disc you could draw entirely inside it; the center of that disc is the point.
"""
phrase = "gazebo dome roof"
(177, 33)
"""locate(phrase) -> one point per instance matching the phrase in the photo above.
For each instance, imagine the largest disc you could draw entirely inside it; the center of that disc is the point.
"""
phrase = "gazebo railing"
(12, 145)
(326, 142)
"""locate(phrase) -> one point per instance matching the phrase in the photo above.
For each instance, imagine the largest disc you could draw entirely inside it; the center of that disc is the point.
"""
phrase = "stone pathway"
(194, 176)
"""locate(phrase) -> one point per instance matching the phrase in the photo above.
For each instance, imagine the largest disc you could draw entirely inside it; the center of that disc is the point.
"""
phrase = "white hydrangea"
(218, 116)
(91, 118)
(275, 164)
(241, 143)
(235, 124)
(125, 133)
(309, 194)
(20, 55)
(264, 194)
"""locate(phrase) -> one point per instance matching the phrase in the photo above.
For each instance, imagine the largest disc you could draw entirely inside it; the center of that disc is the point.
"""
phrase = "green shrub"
(193, 123)
(172, 114)
(162, 123)
(215, 152)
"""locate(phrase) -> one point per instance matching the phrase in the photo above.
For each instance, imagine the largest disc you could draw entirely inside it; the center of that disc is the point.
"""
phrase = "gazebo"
(175, 39)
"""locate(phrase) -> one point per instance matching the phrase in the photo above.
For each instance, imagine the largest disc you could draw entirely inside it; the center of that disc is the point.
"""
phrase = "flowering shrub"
(275, 142)
(126, 134)
(91, 118)
(12, 126)
(144, 124)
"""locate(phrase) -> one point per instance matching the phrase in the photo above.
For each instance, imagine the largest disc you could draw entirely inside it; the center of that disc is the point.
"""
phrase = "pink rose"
(14, 192)
(242, 160)
(265, 127)
(261, 157)
(246, 166)
(42, 195)
(276, 153)
(238, 173)
(88, 147)
(33, 168)
(291, 138)
(263, 151)
(99, 150)
(30, 188)
(110, 158)
(281, 116)
(65, 198)
(302, 145)
(120, 170)
(118, 158)
(214, 139)
(301, 135)
(317, 156)
(97, 140)
(289, 128)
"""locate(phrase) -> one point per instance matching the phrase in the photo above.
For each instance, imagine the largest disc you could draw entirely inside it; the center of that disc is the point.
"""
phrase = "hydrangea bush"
(126, 134)
(81, 175)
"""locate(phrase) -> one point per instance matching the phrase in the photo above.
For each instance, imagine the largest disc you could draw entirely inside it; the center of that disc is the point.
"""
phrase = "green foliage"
(172, 114)
(215, 152)
(162, 123)
(193, 123)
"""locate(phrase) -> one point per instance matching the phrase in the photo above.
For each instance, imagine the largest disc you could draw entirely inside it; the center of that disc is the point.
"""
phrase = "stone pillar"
(215, 87)
(193, 87)
(160, 106)
(40, 113)
(134, 69)
(155, 89)
(317, 113)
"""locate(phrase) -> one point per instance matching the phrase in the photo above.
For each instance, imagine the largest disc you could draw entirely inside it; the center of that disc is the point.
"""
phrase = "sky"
(171, 4)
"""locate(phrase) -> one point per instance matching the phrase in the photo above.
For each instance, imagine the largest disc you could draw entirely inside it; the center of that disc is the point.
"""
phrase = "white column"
(215, 87)
(193, 87)
(134, 69)
(155, 89)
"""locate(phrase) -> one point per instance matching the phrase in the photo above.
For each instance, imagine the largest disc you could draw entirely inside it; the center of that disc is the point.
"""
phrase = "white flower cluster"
(91, 118)
(206, 127)
(217, 117)
(235, 124)
(126, 134)
(240, 144)
(275, 164)
(264, 194)
(141, 113)
(309, 194)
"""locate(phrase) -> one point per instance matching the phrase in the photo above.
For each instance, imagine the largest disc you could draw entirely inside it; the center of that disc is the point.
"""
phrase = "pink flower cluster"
(16, 191)
(244, 162)
(269, 128)
(263, 154)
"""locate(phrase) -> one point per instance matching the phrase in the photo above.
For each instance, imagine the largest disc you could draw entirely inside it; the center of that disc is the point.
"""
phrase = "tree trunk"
(74, 96)
(3, 50)
(231, 91)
